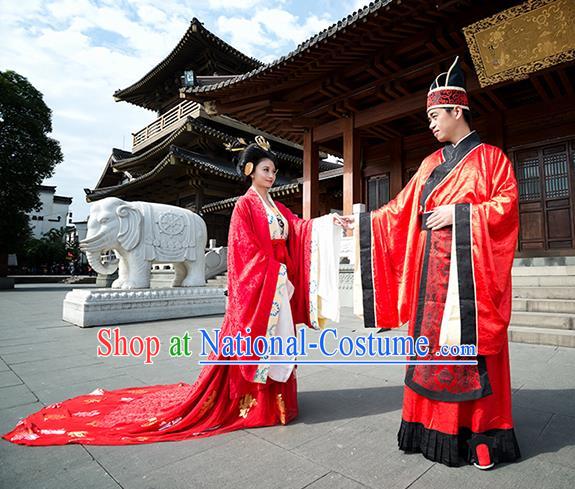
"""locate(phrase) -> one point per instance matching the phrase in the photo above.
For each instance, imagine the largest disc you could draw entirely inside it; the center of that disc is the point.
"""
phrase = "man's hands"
(346, 222)
(440, 217)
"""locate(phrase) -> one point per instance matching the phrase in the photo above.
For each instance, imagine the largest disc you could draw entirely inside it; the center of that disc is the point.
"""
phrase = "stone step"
(563, 306)
(543, 320)
(544, 293)
(542, 336)
(218, 279)
(543, 271)
(544, 281)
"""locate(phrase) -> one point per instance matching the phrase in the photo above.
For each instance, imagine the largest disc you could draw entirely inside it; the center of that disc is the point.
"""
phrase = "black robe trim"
(464, 251)
(451, 156)
(456, 450)
(365, 249)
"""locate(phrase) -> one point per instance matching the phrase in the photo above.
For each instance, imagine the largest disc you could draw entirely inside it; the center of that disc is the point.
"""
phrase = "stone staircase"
(543, 305)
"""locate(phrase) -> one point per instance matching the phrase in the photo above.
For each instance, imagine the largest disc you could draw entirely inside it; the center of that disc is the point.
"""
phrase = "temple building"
(358, 90)
(180, 157)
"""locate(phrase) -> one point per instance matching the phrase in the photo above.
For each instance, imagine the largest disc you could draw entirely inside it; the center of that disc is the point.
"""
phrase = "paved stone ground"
(345, 436)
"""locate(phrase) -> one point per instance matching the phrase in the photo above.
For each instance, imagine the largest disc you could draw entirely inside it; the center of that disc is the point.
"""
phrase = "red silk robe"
(452, 285)
(224, 397)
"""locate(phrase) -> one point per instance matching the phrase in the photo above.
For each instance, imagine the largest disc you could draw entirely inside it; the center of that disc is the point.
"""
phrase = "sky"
(79, 52)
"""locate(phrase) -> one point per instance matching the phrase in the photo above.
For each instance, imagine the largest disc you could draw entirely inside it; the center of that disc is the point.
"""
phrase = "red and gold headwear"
(448, 89)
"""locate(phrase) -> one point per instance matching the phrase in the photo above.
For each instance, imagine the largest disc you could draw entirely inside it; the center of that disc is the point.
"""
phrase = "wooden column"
(351, 166)
(396, 176)
(496, 129)
(310, 176)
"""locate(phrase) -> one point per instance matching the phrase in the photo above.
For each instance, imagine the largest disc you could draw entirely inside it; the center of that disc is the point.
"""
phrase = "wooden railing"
(162, 124)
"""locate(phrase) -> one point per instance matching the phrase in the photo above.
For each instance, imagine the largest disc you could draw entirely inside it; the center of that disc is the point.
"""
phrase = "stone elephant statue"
(142, 233)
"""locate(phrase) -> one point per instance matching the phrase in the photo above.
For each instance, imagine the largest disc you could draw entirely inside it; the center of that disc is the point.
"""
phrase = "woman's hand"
(346, 222)
(440, 217)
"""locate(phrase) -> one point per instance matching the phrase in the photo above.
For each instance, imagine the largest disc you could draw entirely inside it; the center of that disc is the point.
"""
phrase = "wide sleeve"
(495, 227)
(253, 274)
(314, 247)
(387, 239)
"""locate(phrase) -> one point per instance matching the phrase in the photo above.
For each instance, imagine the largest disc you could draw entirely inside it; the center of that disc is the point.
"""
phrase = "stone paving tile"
(10, 416)
(333, 480)
(329, 401)
(166, 374)
(546, 397)
(344, 437)
(78, 375)
(562, 357)
(15, 395)
(245, 461)
(533, 475)
(52, 467)
(365, 450)
(9, 379)
(529, 424)
(130, 463)
(556, 443)
(56, 393)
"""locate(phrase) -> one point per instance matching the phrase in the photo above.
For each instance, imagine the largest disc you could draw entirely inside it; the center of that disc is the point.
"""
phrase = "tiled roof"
(205, 164)
(304, 48)
(196, 37)
(198, 126)
(279, 191)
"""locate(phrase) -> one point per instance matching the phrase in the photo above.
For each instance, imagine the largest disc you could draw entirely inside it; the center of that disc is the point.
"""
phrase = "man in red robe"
(439, 256)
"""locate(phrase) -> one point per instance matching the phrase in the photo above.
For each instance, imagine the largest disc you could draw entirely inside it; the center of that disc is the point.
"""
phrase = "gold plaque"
(521, 40)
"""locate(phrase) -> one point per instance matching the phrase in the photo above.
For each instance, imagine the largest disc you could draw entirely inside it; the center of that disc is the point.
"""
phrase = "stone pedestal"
(106, 280)
(103, 307)
(6, 283)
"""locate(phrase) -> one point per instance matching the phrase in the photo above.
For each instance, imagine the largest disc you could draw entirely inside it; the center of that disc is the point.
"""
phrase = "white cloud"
(151, 15)
(287, 27)
(52, 44)
(79, 52)
(270, 29)
(233, 4)
(359, 4)
(244, 34)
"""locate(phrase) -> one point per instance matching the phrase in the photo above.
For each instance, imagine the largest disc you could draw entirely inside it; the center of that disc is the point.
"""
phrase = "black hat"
(448, 89)
(251, 154)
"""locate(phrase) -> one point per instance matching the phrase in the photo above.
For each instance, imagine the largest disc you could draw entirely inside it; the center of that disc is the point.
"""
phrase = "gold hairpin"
(262, 143)
(235, 147)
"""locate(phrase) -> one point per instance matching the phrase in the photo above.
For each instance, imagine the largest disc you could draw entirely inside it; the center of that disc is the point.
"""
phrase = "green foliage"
(50, 249)
(27, 156)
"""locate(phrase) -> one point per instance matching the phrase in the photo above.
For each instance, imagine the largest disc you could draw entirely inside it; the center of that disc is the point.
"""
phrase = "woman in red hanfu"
(439, 256)
(275, 280)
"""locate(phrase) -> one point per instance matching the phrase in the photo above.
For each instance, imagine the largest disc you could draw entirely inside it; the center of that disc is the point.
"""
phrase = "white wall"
(52, 215)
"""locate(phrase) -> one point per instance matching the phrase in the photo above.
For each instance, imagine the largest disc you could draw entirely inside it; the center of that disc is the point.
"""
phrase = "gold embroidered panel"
(521, 40)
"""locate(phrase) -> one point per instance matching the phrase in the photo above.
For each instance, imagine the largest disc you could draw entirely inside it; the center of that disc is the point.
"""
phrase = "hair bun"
(251, 154)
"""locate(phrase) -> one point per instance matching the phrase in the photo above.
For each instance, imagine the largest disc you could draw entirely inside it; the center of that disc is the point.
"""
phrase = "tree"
(51, 249)
(27, 157)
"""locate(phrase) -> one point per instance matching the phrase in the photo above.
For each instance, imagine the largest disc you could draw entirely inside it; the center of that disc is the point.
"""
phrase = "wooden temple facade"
(180, 157)
(358, 89)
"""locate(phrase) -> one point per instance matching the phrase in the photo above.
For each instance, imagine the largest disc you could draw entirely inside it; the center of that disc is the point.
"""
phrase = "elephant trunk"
(98, 266)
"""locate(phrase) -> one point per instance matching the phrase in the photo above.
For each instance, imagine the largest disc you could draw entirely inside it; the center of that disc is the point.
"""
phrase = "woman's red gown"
(224, 397)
